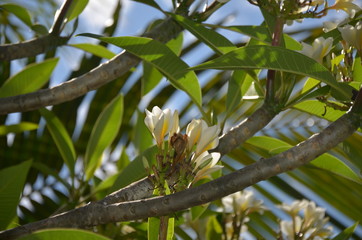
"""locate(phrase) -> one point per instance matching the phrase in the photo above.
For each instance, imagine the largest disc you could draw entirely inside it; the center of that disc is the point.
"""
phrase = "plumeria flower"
(312, 226)
(346, 5)
(353, 35)
(243, 201)
(288, 228)
(204, 137)
(294, 208)
(161, 122)
(319, 48)
(205, 164)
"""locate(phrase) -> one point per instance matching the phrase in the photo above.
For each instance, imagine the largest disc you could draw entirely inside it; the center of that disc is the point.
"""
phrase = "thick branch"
(95, 214)
(92, 80)
(245, 129)
(31, 48)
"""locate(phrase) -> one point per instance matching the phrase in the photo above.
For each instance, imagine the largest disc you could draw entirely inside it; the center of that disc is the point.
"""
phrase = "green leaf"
(104, 132)
(259, 33)
(275, 58)
(151, 3)
(234, 93)
(94, 49)
(214, 40)
(326, 161)
(61, 234)
(17, 128)
(319, 109)
(75, 9)
(357, 70)
(161, 57)
(19, 11)
(151, 76)
(142, 137)
(346, 233)
(40, 29)
(30, 79)
(12, 180)
(61, 138)
(135, 170)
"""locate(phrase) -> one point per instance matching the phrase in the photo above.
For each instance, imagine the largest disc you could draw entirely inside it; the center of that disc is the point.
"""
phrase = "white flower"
(205, 164)
(347, 6)
(295, 207)
(289, 229)
(312, 226)
(205, 137)
(243, 201)
(319, 48)
(160, 122)
(352, 35)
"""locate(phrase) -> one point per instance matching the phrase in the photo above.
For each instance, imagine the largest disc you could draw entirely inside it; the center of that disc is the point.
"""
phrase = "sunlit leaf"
(319, 109)
(326, 161)
(346, 233)
(161, 57)
(75, 9)
(31, 78)
(151, 76)
(12, 181)
(19, 11)
(276, 58)
(61, 234)
(94, 49)
(61, 138)
(214, 40)
(103, 133)
(17, 128)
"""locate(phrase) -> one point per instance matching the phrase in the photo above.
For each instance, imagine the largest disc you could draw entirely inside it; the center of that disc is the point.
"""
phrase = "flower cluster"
(184, 154)
(311, 226)
(237, 207)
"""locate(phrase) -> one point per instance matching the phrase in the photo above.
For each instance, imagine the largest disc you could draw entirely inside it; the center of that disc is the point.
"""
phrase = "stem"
(162, 234)
(270, 80)
(61, 17)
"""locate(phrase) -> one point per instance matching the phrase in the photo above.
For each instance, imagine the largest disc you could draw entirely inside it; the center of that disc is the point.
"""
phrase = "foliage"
(87, 144)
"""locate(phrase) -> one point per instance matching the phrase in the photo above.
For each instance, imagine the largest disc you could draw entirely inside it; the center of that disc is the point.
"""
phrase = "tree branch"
(96, 213)
(92, 80)
(31, 48)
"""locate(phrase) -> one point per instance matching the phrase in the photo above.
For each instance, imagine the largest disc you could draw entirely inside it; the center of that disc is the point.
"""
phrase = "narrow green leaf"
(61, 138)
(151, 76)
(75, 9)
(259, 33)
(214, 40)
(61, 234)
(94, 49)
(19, 11)
(151, 3)
(105, 130)
(234, 93)
(31, 78)
(40, 29)
(135, 170)
(357, 70)
(161, 57)
(12, 180)
(153, 228)
(326, 161)
(276, 58)
(142, 137)
(346, 233)
(319, 109)
(17, 128)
